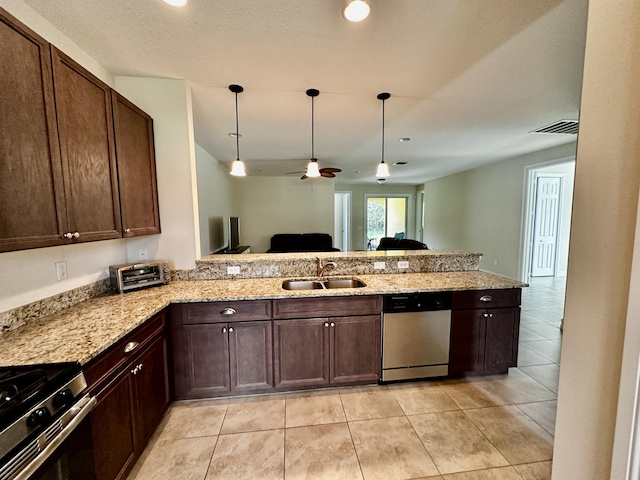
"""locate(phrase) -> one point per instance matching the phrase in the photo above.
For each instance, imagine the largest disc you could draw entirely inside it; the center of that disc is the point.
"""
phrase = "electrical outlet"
(379, 265)
(61, 270)
(403, 264)
(142, 254)
(495, 262)
(233, 270)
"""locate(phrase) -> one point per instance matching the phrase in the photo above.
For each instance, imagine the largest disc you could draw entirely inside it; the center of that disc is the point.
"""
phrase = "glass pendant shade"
(383, 170)
(356, 10)
(237, 168)
(312, 169)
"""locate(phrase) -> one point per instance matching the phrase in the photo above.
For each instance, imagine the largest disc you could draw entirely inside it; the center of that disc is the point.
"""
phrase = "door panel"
(545, 229)
(206, 360)
(354, 349)
(466, 354)
(250, 356)
(502, 332)
(301, 350)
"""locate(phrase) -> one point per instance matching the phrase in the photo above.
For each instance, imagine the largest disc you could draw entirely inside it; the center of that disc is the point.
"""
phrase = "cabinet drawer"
(326, 307)
(486, 298)
(216, 312)
(100, 370)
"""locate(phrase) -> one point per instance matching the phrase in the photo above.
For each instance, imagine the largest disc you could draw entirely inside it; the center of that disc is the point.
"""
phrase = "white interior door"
(342, 220)
(545, 227)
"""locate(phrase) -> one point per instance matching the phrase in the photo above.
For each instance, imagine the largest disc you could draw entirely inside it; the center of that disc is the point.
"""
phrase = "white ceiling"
(468, 78)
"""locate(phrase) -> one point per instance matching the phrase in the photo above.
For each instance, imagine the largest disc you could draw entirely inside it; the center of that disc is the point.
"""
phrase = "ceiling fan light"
(312, 169)
(383, 170)
(356, 10)
(237, 168)
(176, 3)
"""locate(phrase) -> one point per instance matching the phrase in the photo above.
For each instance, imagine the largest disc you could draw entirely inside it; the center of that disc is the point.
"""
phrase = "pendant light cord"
(383, 130)
(312, 129)
(238, 130)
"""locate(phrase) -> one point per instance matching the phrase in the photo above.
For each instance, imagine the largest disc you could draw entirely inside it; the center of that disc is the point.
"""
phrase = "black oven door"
(73, 459)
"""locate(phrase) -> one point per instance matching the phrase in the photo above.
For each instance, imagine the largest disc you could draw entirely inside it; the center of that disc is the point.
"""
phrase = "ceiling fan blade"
(327, 174)
(330, 170)
(303, 177)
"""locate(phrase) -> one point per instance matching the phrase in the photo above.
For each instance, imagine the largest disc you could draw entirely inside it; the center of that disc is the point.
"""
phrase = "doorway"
(385, 216)
(547, 220)
(342, 221)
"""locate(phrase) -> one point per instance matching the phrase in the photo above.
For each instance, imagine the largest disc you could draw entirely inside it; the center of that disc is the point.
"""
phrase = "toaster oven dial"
(38, 417)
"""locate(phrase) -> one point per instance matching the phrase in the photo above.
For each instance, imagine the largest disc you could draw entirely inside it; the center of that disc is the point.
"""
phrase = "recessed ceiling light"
(176, 3)
(400, 163)
(234, 135)
(405, 139)
(356, 10)
(358, 172)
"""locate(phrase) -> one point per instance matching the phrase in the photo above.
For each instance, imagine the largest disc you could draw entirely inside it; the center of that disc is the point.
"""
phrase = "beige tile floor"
(487, 428)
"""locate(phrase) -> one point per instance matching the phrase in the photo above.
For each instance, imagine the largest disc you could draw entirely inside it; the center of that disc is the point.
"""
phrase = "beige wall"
(358, 193)
(214, 202)
(270, 205)
(169, 104)
(481, 209)
(602, 240)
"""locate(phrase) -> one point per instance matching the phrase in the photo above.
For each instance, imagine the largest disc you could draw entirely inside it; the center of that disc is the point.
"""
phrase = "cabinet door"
(85, 127)
(136, 168)
(354, 349)
(301, 351)
(112, 425)
(250, 356)
(466, 354)
(501, 340)
(205, 361)
(32, 211)
(151, 388)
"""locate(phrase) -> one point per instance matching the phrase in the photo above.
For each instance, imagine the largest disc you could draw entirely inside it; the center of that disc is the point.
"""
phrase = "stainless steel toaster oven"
(139, 275)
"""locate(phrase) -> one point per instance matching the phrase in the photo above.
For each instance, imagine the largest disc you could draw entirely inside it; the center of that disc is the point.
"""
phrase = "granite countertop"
(81, 332)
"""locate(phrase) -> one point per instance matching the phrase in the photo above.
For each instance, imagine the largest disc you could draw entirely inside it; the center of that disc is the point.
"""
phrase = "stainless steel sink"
(343, 283)
(302, 285)
(328, 283)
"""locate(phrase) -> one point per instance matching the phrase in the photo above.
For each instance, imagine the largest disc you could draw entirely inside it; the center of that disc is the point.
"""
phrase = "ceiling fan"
(327, 172)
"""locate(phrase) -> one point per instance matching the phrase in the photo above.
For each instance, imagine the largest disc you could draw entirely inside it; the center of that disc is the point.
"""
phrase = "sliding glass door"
(387, 216)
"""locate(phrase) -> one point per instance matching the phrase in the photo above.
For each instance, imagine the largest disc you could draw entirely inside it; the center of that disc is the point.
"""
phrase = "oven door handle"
(79, 411)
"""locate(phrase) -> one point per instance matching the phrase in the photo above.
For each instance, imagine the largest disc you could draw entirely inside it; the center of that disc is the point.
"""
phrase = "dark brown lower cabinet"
(220, 358)
(484, 340)
(133, 395)
(315, 352)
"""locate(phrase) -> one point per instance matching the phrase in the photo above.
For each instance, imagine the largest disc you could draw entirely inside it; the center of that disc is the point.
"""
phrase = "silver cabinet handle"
(68, 235)
(486, 298)
(135, 370)
(224, 330)
(491, 315)
(326, 324)
(228, 311)
(76, 234)
(127, 230)
(230, 329)
(485, 315)
(332, 324)
(139, 367)
(130, 347)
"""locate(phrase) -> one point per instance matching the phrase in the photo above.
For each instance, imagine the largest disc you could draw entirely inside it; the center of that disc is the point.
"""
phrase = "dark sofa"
(389, 243)
(301, 242)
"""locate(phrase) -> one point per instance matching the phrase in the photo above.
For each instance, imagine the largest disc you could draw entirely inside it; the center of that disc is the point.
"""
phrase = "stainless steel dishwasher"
(416, 334)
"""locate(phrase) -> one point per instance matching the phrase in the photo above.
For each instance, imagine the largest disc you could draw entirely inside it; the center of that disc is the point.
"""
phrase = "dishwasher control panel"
(416, 302)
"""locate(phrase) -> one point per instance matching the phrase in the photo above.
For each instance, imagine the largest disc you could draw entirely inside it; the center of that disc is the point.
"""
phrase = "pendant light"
(312, 167)
(356, 10)
(383, 169)
(237, 168)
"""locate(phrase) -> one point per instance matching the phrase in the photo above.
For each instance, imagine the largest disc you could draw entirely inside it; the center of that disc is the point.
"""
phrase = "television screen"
(234, 233)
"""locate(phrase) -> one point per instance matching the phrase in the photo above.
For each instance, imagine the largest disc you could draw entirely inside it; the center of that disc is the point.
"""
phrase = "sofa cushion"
(301, 242)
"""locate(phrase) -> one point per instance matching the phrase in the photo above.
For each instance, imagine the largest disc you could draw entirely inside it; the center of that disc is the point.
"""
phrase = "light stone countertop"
(81, 332)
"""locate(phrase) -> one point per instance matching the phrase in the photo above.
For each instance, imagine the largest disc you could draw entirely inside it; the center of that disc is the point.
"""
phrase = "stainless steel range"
(42, 408)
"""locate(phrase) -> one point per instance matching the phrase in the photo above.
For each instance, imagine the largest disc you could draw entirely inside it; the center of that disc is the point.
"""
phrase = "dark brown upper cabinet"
(87, 150)
(32, 203)
(136, 168)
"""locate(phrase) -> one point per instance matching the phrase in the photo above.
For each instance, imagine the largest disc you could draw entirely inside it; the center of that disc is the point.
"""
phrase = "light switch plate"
(233, 270)
(142, 254)
(379, 265)
(403, 264)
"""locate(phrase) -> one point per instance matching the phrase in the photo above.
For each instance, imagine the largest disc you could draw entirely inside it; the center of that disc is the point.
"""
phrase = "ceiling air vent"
(569, 127)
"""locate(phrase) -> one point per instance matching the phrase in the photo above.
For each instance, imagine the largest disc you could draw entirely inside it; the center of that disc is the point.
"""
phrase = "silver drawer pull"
(230, 329)
(130, 347)
(229, 311)
(486, 298)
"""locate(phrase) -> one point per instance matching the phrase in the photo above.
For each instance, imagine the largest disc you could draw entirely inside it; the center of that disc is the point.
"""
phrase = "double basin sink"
(322, 284)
